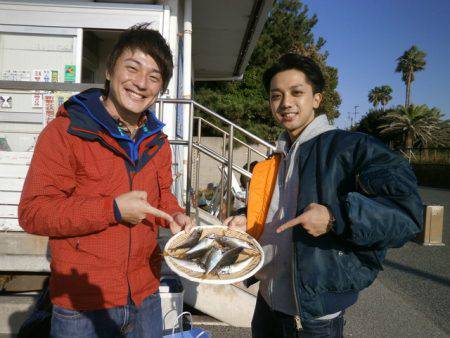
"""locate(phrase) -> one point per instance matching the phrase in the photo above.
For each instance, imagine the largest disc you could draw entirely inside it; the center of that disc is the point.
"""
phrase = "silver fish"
(202, 260)
(230, 256)
(233, 242)
(234, 268)
(202, 246)
(191, 240)
(213, 259)
(219, 258)
(190, 265)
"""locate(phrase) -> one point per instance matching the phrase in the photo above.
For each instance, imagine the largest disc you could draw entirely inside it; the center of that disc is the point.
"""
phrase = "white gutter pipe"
(187, 94)
(187, 50)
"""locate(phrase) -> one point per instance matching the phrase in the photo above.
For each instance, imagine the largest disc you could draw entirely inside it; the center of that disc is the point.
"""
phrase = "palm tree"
(380, 95)
(414, 124)
(443, 134)
(412, 60)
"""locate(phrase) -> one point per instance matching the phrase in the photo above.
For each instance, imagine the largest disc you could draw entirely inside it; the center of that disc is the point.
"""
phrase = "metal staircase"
(228, 131)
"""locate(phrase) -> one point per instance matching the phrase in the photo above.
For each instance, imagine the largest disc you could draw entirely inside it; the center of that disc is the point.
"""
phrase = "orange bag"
(261, 188)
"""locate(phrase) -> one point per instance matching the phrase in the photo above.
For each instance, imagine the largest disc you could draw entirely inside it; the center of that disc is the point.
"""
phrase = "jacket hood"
(89, 119)
(87, 112)
(318, 126)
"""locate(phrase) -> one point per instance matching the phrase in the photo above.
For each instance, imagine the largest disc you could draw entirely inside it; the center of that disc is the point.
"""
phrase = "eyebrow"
(291, 87)
(153, 70)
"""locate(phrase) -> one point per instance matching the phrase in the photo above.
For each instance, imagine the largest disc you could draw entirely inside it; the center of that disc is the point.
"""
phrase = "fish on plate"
(213, 254)
(201, 247)
(192, 240)
(233, 242)
(235, 268)
(219, 258)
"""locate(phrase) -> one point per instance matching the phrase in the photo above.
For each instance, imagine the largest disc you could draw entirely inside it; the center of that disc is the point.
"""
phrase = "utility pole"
(356, 107)
(349, 120)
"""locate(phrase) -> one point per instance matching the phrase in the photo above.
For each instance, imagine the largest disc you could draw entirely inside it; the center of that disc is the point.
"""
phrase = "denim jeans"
(268, 323)
(124, 321)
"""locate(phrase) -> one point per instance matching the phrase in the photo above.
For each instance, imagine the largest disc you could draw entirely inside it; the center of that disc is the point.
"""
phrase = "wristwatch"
(332, 219)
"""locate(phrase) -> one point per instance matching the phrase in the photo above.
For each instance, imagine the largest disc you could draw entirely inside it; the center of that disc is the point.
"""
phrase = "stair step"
(227, 303)
(24, 263)
(22, 243)
(14, 310)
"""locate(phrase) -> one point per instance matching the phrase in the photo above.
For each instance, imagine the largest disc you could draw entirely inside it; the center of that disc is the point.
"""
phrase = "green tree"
(380, 95)
(412, 60)
(415, 124)
(288, 29)
(371, 122)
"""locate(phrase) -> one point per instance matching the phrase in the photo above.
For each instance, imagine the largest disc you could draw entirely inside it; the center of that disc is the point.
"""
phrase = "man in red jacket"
(99, 185)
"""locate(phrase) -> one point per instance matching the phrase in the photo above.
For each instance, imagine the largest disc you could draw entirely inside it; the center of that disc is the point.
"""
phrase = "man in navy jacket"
(339, 201)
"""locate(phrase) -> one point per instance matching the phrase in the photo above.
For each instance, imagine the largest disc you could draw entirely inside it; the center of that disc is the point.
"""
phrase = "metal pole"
(230, 171)
(199, 138)
(222, 171)
(189, 164)
(247, 181)
(160, 104)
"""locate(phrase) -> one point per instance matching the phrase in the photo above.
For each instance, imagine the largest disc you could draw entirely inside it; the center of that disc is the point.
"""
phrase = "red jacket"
(80, 165)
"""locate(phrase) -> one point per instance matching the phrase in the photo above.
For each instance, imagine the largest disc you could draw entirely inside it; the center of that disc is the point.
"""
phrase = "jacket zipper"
(130, 177)
(298, 322)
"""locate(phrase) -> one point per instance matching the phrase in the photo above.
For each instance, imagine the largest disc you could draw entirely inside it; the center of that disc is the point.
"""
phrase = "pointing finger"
(293, 222)
(159, 213)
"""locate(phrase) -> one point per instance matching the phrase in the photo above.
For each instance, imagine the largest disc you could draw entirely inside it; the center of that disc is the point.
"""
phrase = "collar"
(124, 129)
(88, 103)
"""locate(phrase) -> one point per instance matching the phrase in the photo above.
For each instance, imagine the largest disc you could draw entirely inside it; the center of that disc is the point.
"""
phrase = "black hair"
(306, 65)
(149, 41)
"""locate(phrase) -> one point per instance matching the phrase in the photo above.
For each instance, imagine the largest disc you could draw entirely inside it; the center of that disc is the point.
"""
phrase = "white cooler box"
(171, 292)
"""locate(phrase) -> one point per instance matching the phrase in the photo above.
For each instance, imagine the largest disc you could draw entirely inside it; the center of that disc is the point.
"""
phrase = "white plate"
(253, 267)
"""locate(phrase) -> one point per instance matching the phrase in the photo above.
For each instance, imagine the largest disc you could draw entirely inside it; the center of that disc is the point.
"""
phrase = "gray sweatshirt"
(276, 274)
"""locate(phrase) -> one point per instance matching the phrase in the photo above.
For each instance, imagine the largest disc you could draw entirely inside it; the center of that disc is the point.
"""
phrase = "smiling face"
(292, 101)
(134, 85)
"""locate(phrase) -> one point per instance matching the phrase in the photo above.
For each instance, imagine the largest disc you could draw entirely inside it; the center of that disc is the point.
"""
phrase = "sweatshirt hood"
(318, 126)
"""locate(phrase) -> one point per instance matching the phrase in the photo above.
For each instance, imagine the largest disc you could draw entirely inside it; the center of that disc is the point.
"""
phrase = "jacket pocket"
(65, 313)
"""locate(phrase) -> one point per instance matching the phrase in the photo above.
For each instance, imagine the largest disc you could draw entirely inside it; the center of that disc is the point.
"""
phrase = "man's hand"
(133, 207)
(315, 220)
(236, 223)
(180, 222)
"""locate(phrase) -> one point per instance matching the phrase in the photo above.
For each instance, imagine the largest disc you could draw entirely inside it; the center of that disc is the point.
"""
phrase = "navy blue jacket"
(372, 193)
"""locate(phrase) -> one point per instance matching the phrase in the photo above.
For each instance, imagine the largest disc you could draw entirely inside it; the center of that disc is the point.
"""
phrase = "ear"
(107, 75)
(317, 99)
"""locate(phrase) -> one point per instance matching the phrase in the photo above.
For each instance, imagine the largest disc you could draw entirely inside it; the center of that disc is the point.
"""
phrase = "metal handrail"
(226, 134)
(221, 158)
(235, 126)
(225, 161)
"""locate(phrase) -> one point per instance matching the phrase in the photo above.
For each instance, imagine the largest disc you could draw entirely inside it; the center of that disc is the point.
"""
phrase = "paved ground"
(410, 298)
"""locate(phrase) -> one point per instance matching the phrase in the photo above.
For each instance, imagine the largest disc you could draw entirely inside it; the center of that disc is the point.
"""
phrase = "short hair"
(306, 65)
(149, 41)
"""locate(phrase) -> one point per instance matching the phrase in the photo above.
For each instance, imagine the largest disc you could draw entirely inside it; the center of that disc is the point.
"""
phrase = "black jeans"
(268, 323)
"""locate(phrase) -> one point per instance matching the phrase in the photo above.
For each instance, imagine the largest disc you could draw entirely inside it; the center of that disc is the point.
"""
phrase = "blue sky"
(364, 39)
